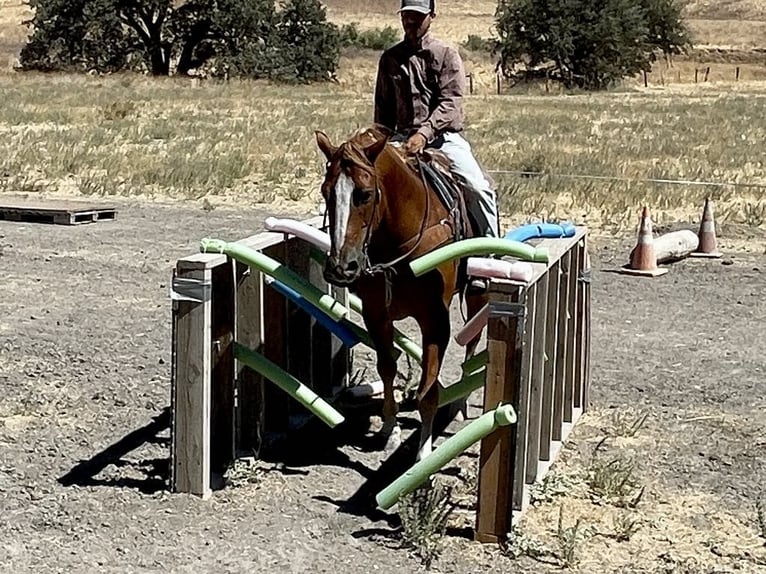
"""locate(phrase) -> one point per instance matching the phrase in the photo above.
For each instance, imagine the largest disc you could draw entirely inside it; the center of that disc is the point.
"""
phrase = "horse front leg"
(381, 330)
(436, 331)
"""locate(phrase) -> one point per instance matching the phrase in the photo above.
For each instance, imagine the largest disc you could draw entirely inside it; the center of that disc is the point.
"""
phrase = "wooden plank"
(249, 332)
(579, 368)
(222, 421)
(299, 346)
(495, 497)
(276, 408)
(191, 391)
(537, 369)
(572, 334)
(549, 370)
(561, 348)
(529, 347)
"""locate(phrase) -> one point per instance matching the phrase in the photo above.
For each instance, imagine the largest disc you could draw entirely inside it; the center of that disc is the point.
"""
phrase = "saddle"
(449, 187)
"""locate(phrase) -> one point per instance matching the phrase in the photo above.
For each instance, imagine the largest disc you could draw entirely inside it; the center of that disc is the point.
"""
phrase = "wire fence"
(522, 173)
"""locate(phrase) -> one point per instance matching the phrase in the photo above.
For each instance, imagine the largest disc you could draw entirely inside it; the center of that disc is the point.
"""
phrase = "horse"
(383, 214)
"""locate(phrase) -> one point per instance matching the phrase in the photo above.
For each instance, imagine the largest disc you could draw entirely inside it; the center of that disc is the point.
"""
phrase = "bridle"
(388, 268)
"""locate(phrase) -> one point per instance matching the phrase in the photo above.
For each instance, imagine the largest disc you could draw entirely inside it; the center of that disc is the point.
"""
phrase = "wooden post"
(696, 75)
(498, 451)
(498, 84)
(646, 80)
(192, 370)
(707, 73)
(736, 74)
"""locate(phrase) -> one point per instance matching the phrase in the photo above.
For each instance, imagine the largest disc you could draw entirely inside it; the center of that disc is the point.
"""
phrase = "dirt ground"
(84, 396)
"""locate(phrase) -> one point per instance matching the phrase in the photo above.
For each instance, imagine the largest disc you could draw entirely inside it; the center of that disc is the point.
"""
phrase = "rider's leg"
(481, 199)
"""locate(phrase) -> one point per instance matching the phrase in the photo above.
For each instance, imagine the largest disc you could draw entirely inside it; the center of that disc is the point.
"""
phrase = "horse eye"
(361, 196)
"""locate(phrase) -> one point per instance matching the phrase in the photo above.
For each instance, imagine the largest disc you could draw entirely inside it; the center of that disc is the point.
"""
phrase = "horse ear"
(373, 150)
(324, 144)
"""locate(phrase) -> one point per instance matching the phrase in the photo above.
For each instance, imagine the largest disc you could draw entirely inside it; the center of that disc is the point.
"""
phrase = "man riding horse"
(419, 97)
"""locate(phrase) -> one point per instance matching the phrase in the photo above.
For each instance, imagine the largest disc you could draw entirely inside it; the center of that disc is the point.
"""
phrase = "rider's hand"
(415, 144)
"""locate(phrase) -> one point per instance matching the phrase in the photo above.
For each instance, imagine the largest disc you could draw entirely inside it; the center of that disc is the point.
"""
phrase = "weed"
(520, 544)
(553, 485)
(625, 526)
(614, 481)
(624, 424)
(424, 514)
(568, 539)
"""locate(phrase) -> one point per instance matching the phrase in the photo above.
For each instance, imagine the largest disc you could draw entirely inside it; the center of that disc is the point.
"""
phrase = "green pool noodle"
(477, 246)
(292, 386)
(476, 362)
(280, 272)
(503, 415)
(468, 384)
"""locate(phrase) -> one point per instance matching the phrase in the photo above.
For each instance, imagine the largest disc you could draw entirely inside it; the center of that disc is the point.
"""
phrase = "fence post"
(736, 74)
(707, 73)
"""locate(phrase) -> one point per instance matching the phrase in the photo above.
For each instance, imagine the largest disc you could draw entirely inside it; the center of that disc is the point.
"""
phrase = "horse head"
(351, 194)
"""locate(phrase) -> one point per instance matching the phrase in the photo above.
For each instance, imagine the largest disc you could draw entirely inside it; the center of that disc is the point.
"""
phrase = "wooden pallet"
(59, 213)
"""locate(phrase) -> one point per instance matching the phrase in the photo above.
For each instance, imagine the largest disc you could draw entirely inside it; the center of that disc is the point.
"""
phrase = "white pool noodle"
(500, 269)
(300, 229)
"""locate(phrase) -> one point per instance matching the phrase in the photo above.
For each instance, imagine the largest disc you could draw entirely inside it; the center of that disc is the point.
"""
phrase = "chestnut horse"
(382, 215)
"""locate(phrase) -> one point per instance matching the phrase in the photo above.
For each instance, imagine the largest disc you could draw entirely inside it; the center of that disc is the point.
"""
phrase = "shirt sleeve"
(449, 109)
(385, 98)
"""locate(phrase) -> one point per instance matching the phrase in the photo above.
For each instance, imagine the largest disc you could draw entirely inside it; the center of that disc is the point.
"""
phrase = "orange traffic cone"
(708, 246)
(643, 260)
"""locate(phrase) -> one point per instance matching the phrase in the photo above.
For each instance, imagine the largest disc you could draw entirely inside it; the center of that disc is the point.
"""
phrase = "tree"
(248, 37)
(586, 43)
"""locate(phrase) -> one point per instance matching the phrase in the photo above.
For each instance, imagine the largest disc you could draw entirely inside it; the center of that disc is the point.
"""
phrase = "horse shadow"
(154, 472)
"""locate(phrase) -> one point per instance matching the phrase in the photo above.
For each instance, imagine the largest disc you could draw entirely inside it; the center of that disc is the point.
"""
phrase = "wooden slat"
(495, 498)
(249, 332)
(572, 332)
(537, 377)
(579, 367)
(299, 351)
(549, 369)
(276, 409)
(222, 379)
(561, 348)
(191, 392)
(522, 392)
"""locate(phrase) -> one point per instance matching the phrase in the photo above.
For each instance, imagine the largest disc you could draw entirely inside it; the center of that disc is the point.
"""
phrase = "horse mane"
(363, 137)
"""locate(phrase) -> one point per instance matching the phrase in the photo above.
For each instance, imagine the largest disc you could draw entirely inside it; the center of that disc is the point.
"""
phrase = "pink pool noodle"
(299, 229)
(499, 268)
(473, 327)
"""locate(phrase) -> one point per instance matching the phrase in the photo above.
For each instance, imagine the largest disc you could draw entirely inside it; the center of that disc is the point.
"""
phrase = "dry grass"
(249, 141)
(664, 533)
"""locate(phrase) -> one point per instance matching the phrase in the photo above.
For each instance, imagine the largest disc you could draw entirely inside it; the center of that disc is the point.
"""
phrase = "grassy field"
(253, 142)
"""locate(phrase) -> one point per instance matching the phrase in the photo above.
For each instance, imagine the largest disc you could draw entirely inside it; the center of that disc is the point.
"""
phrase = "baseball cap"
(422, 6)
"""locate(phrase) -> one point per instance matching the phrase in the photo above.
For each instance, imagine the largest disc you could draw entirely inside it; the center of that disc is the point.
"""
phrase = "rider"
(418, 96)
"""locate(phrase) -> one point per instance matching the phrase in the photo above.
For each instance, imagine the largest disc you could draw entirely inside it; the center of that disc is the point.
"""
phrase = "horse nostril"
(352, 266)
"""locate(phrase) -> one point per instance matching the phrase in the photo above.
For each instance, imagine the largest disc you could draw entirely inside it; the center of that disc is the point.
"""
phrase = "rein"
(388, 267)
